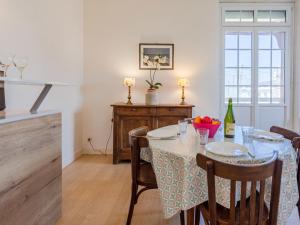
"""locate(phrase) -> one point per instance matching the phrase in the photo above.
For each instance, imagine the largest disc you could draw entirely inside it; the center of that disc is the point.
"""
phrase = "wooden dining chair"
(295, 140)
(142, 172)
(296, 144)
(288, 134)
(250, 211)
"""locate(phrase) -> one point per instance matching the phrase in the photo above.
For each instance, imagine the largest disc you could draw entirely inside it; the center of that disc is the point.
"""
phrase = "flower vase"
(151, 97)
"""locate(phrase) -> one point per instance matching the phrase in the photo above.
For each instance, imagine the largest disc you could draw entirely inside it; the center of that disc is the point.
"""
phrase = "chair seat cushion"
(146, 176)
(224, 213)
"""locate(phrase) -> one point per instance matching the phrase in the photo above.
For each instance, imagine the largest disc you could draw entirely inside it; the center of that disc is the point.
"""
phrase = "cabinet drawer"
(137, 111)
(172, 111)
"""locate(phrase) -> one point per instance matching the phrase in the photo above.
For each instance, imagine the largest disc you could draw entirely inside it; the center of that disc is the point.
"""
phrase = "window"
(238, 66)
(256, 16)
(271, 67)
(233, 16)
(256, 60)
(271, 16)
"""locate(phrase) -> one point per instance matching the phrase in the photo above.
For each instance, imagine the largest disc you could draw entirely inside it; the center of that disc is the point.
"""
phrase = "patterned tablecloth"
(182, 183)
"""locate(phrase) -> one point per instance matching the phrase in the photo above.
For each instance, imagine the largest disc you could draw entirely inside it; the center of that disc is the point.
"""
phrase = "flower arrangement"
(155, 63)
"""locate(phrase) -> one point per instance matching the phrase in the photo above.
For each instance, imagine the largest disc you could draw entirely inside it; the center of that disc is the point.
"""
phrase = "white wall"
(112, 31)
(297, 66)
(50, 34)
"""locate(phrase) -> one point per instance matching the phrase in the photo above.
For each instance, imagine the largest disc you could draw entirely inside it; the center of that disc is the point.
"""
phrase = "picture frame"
(151, 53)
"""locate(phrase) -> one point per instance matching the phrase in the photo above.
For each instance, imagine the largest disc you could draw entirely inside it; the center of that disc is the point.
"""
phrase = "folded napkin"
(162, 138)
(258, 134)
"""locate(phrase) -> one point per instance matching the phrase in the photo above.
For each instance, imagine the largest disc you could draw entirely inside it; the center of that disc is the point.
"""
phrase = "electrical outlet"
(89, 139)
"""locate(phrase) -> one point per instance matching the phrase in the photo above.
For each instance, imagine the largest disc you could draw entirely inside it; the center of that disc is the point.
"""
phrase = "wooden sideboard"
(128, 117)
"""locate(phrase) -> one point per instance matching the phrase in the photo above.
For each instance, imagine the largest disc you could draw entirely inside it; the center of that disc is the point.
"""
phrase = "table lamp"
(129, 82)
(183, 82)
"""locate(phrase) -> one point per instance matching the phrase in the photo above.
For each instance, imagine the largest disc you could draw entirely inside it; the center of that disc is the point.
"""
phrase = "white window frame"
(256, 27)
(255, 7)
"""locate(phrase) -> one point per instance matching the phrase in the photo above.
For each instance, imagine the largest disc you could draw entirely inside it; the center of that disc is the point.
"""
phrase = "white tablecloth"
(182, 183)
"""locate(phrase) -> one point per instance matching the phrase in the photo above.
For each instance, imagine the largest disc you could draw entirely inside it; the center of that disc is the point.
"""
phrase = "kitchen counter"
(30, 165)
(13, 116)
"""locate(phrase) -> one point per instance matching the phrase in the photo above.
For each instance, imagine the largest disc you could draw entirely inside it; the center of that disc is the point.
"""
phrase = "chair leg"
(197, 216)
(132, 203)
(298, 206)
(182, 220)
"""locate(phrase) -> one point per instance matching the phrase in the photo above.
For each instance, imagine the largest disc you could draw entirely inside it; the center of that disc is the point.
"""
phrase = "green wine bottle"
(229, 121)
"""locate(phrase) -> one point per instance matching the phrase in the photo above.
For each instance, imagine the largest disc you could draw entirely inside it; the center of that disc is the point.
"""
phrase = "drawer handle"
(133, 110)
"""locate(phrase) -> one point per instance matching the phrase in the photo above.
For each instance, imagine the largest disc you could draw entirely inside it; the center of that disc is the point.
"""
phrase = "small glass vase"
(151, 97)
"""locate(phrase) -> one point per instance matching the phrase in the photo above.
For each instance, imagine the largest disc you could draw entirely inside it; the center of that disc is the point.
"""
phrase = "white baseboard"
(96, 152)
(77, 154)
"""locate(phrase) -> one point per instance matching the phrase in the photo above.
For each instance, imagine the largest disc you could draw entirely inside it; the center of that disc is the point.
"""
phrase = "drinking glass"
(247, 134)
(5, 63)
(182, 126)
(203, 134)
(20, 63)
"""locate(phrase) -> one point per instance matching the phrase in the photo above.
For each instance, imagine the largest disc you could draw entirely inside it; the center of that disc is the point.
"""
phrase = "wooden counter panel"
(30, 165)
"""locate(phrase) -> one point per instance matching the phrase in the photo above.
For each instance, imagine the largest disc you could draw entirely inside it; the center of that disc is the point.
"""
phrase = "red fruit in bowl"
(206, 119)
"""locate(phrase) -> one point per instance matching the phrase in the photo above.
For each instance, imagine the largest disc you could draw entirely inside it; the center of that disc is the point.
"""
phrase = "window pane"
(263, 16)
(231, 76)
(247, 16)
(278, 16)
(231, 41)
(278, 40)
(264, 77)
(231, 58)
(264, 58)
(231, 92)
(264, 40)
(277, 95)
(244, 94)
(245, 77)
(277, 58)
(277, 77)
(245, 58)
(232, 16)
(245, 41)
(264, 95)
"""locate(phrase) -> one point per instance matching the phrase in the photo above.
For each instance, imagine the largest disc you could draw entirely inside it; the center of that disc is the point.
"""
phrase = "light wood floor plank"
(95, 192)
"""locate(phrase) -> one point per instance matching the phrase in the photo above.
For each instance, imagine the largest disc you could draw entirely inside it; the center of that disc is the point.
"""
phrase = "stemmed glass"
(5, 63)
(20, 63)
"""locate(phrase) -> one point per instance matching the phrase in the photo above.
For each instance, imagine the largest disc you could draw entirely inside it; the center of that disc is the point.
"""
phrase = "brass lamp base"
(129, 96)
(129, 102)
(182, 97)
(183, 102)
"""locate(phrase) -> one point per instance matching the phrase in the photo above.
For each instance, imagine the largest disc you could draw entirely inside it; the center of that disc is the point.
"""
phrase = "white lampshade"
(129, 81)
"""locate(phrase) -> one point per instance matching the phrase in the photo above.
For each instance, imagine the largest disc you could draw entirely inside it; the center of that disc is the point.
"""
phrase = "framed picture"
(156, 55)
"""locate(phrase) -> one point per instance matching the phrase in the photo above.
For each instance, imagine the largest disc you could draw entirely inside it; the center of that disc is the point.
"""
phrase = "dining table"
(183, 185)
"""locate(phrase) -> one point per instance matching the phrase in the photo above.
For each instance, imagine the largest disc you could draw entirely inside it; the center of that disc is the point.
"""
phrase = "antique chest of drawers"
(128, 117)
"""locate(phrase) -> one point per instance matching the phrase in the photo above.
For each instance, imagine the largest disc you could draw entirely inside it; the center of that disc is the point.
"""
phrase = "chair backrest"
(296, 143)
(137, 140)
(253, 174)
(288, 134)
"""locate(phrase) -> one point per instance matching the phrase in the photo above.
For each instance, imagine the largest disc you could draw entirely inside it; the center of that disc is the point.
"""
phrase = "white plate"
(164, 133)
(226, 149)
(261, 134)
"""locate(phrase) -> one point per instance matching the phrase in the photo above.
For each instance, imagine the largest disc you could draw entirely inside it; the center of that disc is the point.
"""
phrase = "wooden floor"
(95, 192)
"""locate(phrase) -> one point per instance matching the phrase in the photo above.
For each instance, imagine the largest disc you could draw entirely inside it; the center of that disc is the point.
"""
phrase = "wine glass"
(5, 63)
(20, 63)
